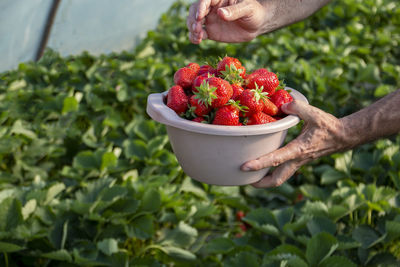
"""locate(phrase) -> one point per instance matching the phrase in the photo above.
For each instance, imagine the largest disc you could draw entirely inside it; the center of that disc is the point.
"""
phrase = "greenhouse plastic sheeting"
(97, 26)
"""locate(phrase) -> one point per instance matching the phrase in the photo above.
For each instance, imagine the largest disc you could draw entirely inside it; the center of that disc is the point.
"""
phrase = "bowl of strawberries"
(218, 117)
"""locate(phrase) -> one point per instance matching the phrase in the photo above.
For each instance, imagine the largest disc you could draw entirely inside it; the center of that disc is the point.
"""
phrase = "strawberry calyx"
(206, 93)
(232, 74)
(258, 93)
(237, 105)
(282, 83)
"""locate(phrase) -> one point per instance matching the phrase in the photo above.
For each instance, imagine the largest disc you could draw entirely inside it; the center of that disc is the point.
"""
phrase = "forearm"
(280, 13)
(381, 119)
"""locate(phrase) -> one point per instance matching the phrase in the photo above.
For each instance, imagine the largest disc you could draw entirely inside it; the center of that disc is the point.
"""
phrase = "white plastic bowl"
(213, 154)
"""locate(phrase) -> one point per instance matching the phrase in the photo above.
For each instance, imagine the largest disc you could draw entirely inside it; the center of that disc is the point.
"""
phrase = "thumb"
(237, 11)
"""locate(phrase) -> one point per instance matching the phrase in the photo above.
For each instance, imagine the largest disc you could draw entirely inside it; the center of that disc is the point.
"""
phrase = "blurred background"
(73, 26)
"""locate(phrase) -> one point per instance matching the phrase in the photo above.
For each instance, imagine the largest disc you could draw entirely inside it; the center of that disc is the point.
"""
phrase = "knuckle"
(258, 165)
(278, 182)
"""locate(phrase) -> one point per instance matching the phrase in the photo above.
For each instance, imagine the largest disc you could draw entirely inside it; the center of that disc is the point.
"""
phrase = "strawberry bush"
(87, 179)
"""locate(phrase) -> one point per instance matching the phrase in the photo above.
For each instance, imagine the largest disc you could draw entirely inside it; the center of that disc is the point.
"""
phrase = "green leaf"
(183, 236)
(314, 192)
(108, 160)
(337, 261)
(190, 186)
(244, 258)
(219, 245)
(113, 193)
(92, 191)
(331, 176)
(53, 191)
(144, 129)
(141, 228)
(10, 214)
(151, 200)
(261, 216)
(29, 208)
(70, 105)
(283, 216)
(367, 236)
(316, 208)
(22, 128)
(136, 149)
(321, 224)
(179, 253)
(286, 251)
(59, 255)
(86, 160)
(343, 162)
(108, 246)
(6, 247)
(17, 84)
(320, 247)
(392, 230)
(157, 143)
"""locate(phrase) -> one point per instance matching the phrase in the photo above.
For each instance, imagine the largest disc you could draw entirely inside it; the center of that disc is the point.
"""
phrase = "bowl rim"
(160, 112)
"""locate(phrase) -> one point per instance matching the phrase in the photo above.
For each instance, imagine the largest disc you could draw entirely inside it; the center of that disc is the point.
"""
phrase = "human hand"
(228, 21)
(321, 135)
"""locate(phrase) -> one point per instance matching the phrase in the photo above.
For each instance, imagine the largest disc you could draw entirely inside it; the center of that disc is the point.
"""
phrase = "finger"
(237, 11)
(280, 175)
(300, 108)
(289, 152)
(191, 19)
(204, 7)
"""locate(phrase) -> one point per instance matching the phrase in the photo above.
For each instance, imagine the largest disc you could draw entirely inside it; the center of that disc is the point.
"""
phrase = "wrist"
(351, 135)
(269, 22)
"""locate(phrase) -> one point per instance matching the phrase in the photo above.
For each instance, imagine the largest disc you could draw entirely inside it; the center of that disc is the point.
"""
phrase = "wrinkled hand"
(228, 21)
(321, 135)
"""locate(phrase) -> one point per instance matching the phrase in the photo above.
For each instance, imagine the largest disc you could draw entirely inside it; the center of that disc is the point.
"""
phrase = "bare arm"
(240, 21)
(378, 120)
(280, 13)
(324, 134)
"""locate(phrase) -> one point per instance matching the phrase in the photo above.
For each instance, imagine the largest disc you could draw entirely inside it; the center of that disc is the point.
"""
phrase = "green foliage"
(87, 179)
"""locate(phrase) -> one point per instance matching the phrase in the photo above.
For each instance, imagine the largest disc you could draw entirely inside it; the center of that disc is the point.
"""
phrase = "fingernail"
(245, 168)
(284, 107)
(193, 26)
(197, 15)
(225, 12)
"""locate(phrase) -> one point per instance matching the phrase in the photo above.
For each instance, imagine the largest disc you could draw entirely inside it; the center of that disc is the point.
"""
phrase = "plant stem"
(6, 258)
(369, 216)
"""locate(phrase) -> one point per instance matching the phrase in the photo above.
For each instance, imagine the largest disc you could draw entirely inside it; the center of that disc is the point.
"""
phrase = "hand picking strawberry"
(224, 94)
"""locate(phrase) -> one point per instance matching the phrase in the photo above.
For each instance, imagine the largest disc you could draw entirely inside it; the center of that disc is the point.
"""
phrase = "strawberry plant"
(87, 179)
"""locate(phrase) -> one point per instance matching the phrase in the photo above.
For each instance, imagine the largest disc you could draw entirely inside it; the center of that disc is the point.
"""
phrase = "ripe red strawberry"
(177, 99)
(228, 114)
(262, 78)
(243, 227)
(204, 69)
(200, 108)
(184, 77)
(223, 91)
(215, 92)
(239, 215)
(281, 97)
(270, 108)
(261, 71)
(231, 63)
(193, 66)
(199, 119)
(237, 91)
(198, 81)
(253, 100)
(260, 118)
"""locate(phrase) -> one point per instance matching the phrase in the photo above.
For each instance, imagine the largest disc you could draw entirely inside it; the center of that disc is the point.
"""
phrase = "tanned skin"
(323, 134)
